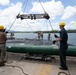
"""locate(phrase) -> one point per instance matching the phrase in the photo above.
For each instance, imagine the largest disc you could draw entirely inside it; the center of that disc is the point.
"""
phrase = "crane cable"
(45, 12)
(42, 6)
(51, 27)
(25, 19)
(25, 5)
(28, 25)
(49, 20)
(11, 25)
(16, 18)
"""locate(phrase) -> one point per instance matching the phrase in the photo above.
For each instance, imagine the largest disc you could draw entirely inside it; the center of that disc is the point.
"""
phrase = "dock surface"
(16, 65)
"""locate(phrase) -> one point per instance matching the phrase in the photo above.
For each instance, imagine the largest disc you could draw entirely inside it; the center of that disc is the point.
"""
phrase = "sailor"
(49, 36)
(2, 45)
(41, 34)
(63, 45)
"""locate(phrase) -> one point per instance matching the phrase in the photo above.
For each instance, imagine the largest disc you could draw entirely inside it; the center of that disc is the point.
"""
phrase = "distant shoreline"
(55, 31)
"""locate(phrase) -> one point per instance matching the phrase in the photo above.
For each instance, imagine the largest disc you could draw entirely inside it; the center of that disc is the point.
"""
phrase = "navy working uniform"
(63, 48)
(63, 45)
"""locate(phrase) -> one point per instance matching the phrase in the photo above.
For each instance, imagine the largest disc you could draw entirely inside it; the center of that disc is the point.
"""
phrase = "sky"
(58, 10)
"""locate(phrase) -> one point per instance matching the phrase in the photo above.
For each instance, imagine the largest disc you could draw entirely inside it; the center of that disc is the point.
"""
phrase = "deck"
(17, 66)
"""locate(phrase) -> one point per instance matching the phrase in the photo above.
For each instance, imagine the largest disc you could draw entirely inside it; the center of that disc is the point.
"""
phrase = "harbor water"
(71, 36)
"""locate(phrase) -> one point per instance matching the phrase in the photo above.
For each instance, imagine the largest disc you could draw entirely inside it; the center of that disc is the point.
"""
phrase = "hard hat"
(62, 24)
(1, 27)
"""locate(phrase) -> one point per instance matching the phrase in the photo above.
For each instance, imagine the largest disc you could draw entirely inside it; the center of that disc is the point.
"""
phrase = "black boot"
(2, 63)
(63, 68)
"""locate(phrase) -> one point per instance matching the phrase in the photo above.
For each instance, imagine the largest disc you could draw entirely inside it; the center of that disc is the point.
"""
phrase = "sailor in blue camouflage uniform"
(2, 45)
(63, 46)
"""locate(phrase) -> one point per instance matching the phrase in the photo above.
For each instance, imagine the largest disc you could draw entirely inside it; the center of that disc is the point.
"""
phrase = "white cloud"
(52, 8)
(8, 15)
(4, 2)
(12, 10)
(69, 12)
(71, 25)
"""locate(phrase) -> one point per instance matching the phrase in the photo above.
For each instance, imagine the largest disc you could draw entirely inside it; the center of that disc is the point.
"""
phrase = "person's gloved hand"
(6, 32)
(55, 36)
(54, 41)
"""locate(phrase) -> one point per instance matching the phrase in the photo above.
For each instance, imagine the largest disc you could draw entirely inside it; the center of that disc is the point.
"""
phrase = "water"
(71, 36)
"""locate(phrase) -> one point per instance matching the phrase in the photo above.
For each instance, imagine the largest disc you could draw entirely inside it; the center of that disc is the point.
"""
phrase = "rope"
(62, 73)
(49, 20)
(29, 25)
(17, 67)
(25, 5)
(42, 6)
(16, 18)
(51, 27)
(45, 12)
(11, 25)
(14, 65)
(30, 40)
(47, 30)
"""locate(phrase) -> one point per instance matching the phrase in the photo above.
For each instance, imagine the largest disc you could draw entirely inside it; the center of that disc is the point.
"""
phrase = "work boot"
(2, 63)
(63, 68)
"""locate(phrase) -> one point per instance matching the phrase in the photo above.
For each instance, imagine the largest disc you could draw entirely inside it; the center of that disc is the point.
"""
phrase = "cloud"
(52, 8)
(71, 25)
(8, 15)
(69, 12)
(4, 2)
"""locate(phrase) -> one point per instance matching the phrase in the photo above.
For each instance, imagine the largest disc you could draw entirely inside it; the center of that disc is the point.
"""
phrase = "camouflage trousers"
(2, 52)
